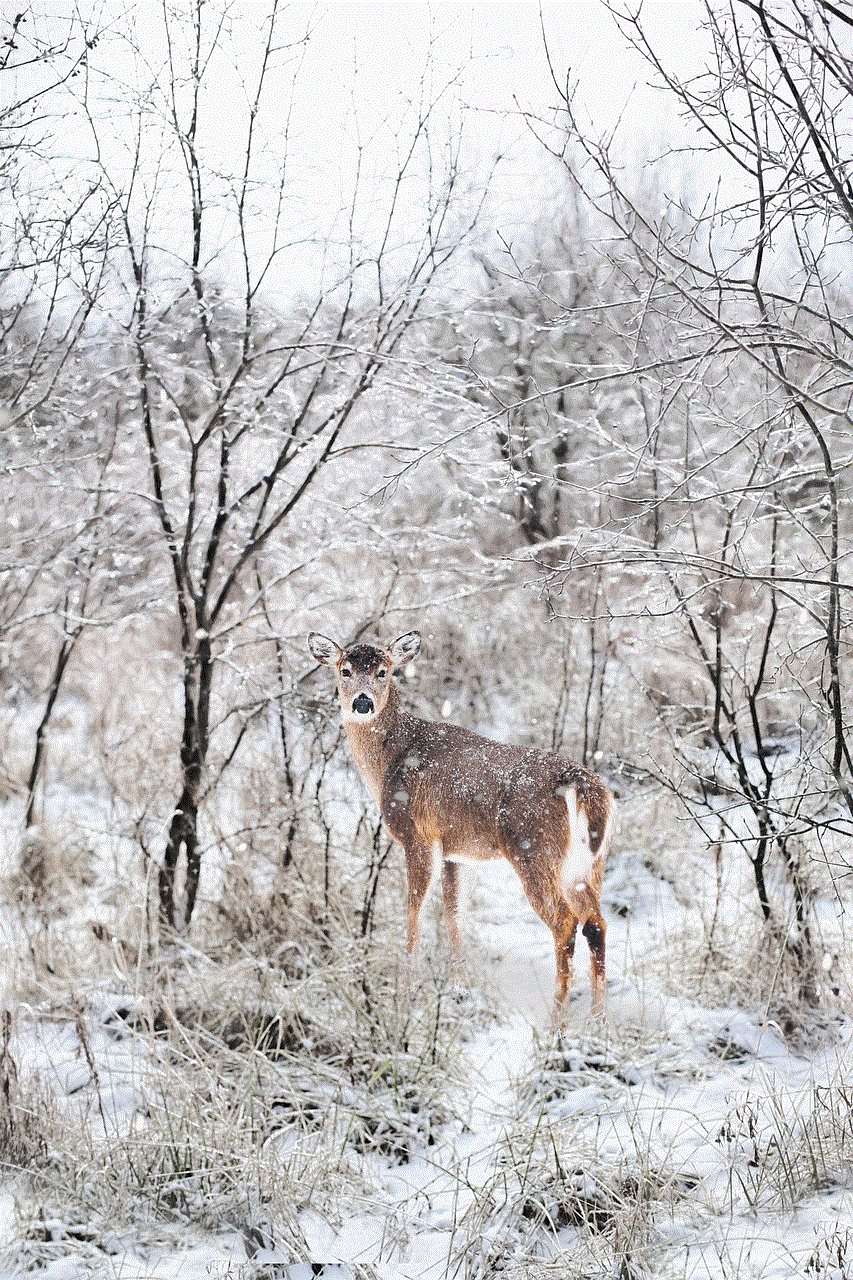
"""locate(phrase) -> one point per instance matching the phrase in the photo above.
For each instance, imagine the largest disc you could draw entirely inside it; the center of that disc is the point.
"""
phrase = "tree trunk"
(183, 829)
(65, 650)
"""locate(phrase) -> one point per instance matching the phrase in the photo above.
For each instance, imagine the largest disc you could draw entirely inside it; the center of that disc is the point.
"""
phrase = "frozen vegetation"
(268, 1091)
(598, 452)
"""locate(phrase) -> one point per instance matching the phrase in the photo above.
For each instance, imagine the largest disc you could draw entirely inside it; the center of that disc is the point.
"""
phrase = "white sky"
(364, 59)
(363, 55)
(389, 39)
(382, 47)
(387, 42)
(375, 51)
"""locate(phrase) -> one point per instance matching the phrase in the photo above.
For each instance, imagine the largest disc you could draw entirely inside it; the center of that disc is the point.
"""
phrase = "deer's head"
(363, 671)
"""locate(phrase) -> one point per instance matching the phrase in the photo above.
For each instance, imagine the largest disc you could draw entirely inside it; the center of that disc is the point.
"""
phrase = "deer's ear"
(323, 649)
(405, 648)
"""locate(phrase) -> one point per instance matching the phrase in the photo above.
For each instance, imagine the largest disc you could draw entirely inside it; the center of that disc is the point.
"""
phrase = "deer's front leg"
(419, 867)
(450, 890)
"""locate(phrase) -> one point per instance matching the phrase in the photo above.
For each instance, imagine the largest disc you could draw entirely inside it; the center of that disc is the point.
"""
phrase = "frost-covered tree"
(52, 243)
(244, 312)
(754, 554)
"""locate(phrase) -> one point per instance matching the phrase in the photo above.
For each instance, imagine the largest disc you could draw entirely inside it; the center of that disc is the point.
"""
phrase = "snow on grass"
(209, 1111)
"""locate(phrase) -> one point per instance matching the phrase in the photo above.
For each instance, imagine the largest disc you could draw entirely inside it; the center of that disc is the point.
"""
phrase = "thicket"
(604, 468)
(612, 461)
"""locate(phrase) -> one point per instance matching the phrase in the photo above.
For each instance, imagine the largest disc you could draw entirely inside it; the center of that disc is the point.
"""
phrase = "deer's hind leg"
(546, 897)
(564, 931)
(594, 931)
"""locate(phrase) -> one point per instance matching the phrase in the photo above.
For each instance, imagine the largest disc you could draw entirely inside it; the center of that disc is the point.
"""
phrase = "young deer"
(449, 794)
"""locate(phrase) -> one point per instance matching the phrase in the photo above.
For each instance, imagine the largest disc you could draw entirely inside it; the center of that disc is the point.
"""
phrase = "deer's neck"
(374, 745)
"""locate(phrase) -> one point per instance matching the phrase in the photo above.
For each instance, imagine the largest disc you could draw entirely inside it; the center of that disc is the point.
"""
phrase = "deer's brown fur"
(446, 793)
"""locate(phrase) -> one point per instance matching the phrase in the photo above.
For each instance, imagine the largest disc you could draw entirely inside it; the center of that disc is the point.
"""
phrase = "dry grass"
(279, 1056)
(223, 1093)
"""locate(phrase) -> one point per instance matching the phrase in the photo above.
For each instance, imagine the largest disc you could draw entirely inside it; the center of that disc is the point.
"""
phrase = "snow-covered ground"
(689, 1139)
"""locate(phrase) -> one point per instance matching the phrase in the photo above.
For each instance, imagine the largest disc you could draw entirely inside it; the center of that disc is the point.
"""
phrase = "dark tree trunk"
(65, 650)
(183, 829)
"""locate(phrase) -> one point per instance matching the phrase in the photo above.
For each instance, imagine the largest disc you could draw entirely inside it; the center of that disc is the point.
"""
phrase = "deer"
(449, 796)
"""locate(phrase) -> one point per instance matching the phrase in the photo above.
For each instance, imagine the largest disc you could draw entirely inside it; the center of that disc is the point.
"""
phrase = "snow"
(692, 1130)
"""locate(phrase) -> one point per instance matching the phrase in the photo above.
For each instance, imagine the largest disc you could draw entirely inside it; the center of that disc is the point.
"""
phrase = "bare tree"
(52, 257)
(238, 411)
(747, 419)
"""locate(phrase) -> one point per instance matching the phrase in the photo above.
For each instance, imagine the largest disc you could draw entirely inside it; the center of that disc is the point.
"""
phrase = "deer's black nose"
(362, 705)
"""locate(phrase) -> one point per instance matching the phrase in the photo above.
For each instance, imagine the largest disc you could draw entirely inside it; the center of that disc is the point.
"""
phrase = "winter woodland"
(595, 446)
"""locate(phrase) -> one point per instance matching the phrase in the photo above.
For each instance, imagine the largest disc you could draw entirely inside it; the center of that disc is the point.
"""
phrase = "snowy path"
(680, 1108)
(511, 954)
(692, 1135)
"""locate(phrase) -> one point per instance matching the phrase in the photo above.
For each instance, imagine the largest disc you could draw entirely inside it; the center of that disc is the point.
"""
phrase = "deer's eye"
(346, 673)
(382, 673)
